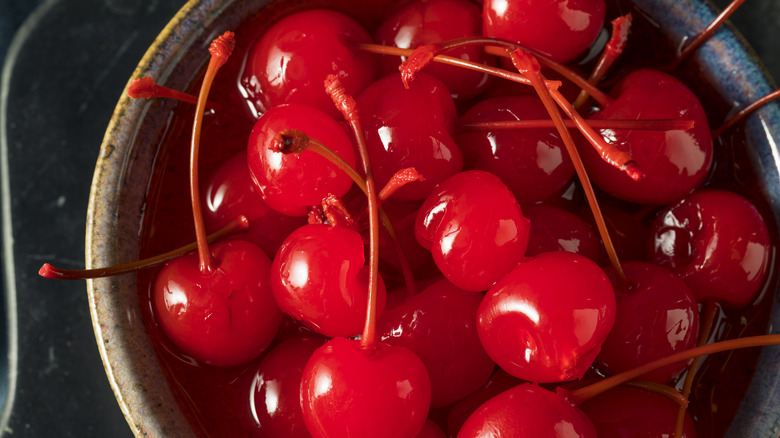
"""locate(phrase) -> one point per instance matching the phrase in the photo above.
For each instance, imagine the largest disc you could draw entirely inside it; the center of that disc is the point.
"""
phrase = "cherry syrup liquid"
(218, 401)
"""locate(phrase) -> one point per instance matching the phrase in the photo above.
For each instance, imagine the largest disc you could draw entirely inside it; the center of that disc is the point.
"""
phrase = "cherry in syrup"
(557, 29)
(290, 61)
(674, 162)
(290, 183)
(440, 325)
(533, 163)
(430, 21)
(555, 229)
(546, 320)
(474, 229)
(319, 276)
(410, 128)
(717, 242)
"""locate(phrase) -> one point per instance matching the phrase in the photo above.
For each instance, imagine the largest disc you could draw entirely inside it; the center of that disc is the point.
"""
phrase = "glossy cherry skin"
(499, 382)
(533, 163)
(474, 228)
(275, 393)
(290, 183)
(291, 60)
(348, 391)
(555, 229)
(440, 325)
(558, 29)
(657, 315)
(624, 412)
(230, 192)
(675, 162)
(717, 242)
(527, 411)
(319, 277)
(410, 128)
(431, 21)
(224, 318)
(545, 321)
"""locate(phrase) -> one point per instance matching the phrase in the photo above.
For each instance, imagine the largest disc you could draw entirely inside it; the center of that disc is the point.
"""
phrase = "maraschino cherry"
(717, 242)
(291, 60)
(216, 305)
(474, 229)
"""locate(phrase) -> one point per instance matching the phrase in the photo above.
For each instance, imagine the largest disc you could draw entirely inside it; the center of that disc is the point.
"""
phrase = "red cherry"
(350, 391)
(631, 412)
(225, 317)
(533, 163)
(291, 60)
(474, 228)
(290, 183)
(717, 242)
(274, 395)
(410, 128)
(546, 320)
(440, 326)
(557, 29)
(431, 430)
(657, 315)
(499, 382)
(319, 277)
(432, 21)
(230, 192)
(674, 162)
(555, 229)
(527, 411)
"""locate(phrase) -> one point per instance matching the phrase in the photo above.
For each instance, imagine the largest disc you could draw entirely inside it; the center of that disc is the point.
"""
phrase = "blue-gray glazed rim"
(126, 157)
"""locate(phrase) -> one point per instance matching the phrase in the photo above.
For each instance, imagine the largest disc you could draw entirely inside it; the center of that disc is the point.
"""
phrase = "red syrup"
(216, 401)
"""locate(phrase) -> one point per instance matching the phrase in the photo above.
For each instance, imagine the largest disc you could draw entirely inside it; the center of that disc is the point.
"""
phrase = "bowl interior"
(129, 151)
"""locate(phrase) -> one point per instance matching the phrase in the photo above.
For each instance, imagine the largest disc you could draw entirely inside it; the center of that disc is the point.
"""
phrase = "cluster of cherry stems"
(550, 313)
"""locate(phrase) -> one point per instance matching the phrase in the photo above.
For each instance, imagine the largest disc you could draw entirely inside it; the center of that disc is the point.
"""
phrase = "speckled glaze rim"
(117, 199)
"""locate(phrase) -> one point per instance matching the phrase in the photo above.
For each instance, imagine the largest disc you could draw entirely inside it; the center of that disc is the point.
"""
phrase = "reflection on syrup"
(216, 400)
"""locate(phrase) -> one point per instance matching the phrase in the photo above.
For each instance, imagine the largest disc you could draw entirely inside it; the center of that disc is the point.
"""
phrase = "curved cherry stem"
(220, 50)
(422, 55)
(697, 41)
(614, 48)
(642, 125)
(528, 65)
(745, 112)
(578, 396)
(710, 308)
(241, 224)
(348, 108)
(660, 389)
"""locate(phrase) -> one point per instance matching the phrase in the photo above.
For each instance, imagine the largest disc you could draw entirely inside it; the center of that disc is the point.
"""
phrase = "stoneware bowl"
(125, 166)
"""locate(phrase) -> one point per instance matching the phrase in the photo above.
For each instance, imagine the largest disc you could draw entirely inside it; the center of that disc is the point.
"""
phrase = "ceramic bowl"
(125, 165)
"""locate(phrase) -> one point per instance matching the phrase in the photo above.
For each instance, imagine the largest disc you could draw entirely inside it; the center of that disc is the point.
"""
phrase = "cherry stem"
(706, 33)
(220, 50)
(580, 395)
(710, 308)
(146, 88)
(529, 66)
(660, 389)
(609, 153)
(644, 125)
(241, 224)
(293, 141)
(422, 55)
(746, 112)
(614, 48)
(349, 109)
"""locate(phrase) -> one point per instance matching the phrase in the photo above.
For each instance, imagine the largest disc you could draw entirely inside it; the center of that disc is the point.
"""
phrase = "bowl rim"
(149, 408)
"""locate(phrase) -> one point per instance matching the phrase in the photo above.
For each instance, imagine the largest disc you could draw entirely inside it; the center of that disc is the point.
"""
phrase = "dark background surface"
(63, 76)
